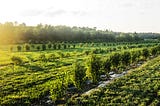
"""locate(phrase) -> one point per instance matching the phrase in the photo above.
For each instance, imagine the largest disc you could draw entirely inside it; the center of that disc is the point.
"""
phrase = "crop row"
(20, 84)
(140, 87)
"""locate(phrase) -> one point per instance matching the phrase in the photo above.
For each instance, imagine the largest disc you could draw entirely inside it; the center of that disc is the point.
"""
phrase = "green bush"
(107, 65)
(33, 46)
(42, 57)
(17, 60)
(43, 47)
(57, 90)
(135, 56)
(145, 53)
(86, 52)
(27, 47)
(126, 58)
(19, 48)
(59, 46)
(68, 45)
(54, 46)
(79, 75)
(94, 68)
(64, 46)
(74, 46)
(51, 57)
(154, 51)
(115, 59)
(49, 46)
(38, 48)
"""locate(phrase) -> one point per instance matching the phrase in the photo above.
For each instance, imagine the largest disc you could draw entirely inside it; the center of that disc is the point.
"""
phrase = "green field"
(141, 86)
(27, 77)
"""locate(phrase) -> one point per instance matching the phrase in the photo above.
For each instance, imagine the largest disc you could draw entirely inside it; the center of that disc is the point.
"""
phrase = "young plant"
(17, 60)
(79, 75)
(145, 53)
(27, 47)
(19, 48)
(94, 68)
(126, 58)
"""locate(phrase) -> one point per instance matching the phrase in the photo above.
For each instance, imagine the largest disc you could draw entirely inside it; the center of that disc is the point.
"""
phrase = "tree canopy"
(21, 33)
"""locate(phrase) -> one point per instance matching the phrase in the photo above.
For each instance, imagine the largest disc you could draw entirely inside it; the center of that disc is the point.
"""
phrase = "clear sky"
(116, 15)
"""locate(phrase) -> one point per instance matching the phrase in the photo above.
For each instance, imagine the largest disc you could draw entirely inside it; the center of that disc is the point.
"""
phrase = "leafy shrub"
(124, 47)
(74, 46)
(107, 65)
(126, 58)
(49, 45)
(145, 53)
(16, 60)
(154, 51)
(135, 55)
(64, 46)
(61, 55)
(68, 45)
(68, 55)
(94, 67)
(19, 48)
(51, 57)
(115, 59)
(27, 47)
(38, 48)
(86, 52)
(33, 46)
(57, 90)
(79, 75)
(43, 47)
(54, 46)
(59, 46)
(42, 57)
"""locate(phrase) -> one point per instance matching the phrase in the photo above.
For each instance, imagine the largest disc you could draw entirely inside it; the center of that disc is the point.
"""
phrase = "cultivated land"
(141, 86)
(46, 76)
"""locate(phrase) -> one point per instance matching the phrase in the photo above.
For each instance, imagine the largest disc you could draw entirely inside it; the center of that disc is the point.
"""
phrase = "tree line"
(13, 32)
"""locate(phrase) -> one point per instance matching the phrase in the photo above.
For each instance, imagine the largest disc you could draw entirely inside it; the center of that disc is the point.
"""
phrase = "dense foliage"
(79, 75)
(30, 75)
(21, 33)
(140, 87)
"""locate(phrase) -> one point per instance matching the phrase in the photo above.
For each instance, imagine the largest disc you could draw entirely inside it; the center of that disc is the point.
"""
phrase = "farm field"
(141, 86)
(79, 53)
(27, 77)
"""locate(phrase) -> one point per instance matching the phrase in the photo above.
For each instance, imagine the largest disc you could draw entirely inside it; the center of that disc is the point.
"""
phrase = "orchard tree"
(145, 53)
(64, 46)
(135, 55)
(19, 48)
(154, 51)
(79, 75)
(94, 68)
(115, 59)
(107, 65)
(74, 45)
(38, 47)
(59, 46)
(17, 60)
(27, 47)
(126, 58)
(43, 47)
(49, 46)
(54, 46)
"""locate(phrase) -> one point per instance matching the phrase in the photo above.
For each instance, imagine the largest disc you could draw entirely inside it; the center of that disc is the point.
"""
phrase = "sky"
(115, 15)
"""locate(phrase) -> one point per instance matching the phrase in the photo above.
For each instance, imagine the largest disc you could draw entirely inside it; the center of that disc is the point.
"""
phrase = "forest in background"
(15, 33)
